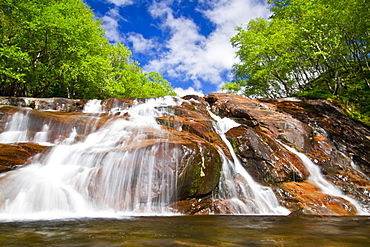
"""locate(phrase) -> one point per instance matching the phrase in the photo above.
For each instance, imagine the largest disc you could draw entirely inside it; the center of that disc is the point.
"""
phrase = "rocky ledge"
(337, 144)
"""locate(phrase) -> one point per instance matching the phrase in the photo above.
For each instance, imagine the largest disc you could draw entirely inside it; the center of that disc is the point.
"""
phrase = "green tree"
(56, 48)
(128, 80)
(301, 42)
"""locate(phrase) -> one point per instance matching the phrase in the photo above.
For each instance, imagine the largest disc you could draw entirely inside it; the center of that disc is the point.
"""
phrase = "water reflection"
(190, 231)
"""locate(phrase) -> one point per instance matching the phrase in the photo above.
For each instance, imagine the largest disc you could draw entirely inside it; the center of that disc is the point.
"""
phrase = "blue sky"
(187, 41)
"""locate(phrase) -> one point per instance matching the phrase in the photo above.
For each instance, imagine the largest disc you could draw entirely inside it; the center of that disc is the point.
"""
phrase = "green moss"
(196, 180)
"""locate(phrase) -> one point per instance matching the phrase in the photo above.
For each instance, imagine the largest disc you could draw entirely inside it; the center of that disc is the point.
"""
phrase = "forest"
(316, 49)
(56, 48)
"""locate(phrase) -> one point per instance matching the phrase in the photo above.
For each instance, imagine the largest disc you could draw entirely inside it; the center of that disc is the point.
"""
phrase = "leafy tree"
(301, 42)
(130, 81)
(56, 48)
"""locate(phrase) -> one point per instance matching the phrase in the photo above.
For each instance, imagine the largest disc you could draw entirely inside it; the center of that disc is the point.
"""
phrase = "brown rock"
(13, 156)
(307, 198)
(257, 113)
(264, 158)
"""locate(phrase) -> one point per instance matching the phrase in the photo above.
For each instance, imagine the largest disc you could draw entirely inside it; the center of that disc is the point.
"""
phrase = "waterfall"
(42, 136)
(103, 174)
(318, 178)
(93, 106)
(242, 193)
(16, 128)
(96, 176)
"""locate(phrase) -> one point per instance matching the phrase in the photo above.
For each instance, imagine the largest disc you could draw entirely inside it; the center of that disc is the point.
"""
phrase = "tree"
(301, 42)
(130, 81)
(56, 48)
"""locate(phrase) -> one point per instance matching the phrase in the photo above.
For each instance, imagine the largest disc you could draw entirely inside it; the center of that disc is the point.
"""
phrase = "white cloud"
(121, 2)
(190, 91)
(139, 43)
(111, 26)
(193, 56)
(188, 55)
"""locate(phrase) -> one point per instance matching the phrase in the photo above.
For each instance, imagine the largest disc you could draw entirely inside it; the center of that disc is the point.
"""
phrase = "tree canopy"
(55, 48)
(313, 48)
(302, 41)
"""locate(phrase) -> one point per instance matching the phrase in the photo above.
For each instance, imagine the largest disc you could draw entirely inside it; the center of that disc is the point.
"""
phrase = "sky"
(187, 41)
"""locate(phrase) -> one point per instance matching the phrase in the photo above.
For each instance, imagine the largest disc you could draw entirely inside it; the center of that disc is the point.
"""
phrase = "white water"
(93, 106)
(95, 177)
(15, 129)
(318, 178)
(244, 195)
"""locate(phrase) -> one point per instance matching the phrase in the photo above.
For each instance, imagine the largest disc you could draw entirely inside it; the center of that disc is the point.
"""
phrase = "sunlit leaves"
(302, 41)
(57, 48)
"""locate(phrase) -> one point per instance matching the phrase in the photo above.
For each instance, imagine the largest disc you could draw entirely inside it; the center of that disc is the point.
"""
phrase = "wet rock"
(13, 156)
(257, 113)
(264, 158)
(58, 104)
(307, 198)
(194, 206)
(337, 144)
(333, 141)
(194, 118)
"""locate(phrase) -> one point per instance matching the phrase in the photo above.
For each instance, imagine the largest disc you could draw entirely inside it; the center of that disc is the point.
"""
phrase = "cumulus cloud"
(121, 2)
(139, 43)
(193, 56)
(111, 26)
(190, 91)
(187, 54)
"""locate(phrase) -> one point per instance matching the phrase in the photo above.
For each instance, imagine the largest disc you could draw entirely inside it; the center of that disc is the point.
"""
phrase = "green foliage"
(354, 99)
(302, 41)
(308, 48)
(52, 48)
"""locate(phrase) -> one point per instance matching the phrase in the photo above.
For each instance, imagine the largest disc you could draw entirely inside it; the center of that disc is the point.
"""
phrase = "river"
(190, 231)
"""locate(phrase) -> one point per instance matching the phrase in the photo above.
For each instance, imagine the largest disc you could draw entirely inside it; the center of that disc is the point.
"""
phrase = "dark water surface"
(190, 231)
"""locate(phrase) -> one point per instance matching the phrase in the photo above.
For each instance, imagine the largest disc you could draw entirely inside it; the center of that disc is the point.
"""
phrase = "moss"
(196, 180)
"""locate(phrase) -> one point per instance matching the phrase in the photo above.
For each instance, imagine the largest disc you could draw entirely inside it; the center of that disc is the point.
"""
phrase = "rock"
(189, 144)
(58, 104)
(257, 113)
(13, 156)
(333, 141)
(265, 159)
(309, 200)
(338, 144)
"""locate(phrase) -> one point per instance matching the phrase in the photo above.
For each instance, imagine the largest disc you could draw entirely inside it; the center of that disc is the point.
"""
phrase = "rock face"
(268, 132)
(334, 142)
(13, 156)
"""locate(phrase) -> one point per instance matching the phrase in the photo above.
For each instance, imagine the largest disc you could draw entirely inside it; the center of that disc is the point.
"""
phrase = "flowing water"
(250, 199)
(95, 177)
(318, 178)
(77, 190)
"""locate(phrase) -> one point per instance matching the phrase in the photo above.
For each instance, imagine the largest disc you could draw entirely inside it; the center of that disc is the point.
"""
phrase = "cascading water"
(244, 195)
(15, 129)
(93, 106)
(104, 174)
(95, 177)
(317, 177)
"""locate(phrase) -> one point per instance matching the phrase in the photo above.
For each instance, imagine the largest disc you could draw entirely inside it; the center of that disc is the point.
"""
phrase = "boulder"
(13, 156)
(189, 145)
